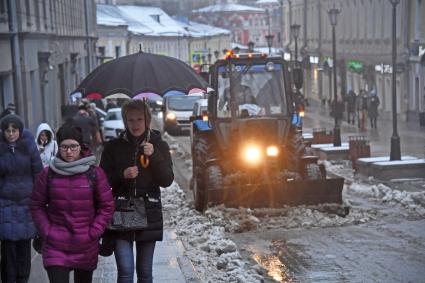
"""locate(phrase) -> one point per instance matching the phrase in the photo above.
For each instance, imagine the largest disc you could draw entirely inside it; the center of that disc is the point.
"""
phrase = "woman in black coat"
(129, 176)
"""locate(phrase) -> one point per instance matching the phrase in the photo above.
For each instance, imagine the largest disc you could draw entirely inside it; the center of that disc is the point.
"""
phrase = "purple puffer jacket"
(74, 220)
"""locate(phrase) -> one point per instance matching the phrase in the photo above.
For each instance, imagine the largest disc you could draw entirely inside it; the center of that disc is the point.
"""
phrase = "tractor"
(250, 151)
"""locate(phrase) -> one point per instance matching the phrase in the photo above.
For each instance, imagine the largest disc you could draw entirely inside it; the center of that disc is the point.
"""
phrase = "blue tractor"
(250, 152)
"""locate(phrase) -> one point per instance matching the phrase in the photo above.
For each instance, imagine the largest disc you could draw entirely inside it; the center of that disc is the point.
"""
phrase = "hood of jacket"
(44, 127)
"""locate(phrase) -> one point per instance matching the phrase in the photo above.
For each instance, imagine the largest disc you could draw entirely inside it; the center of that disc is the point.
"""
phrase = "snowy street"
(381, 240)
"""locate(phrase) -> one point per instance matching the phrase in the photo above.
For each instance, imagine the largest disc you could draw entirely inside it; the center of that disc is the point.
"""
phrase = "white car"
(113, 124)
(177, 111)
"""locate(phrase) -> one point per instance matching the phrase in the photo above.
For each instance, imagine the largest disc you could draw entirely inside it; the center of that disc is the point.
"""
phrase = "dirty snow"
(216, 258)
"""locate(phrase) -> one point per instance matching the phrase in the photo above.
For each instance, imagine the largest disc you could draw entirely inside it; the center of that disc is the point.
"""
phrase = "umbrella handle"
(144, 161)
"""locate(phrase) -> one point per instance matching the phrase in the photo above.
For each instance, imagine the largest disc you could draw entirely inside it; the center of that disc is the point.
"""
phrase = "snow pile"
(214, 256)
(238, 220)
(414, 201)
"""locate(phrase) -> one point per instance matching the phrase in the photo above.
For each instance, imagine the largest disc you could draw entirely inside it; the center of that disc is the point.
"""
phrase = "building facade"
(127, 29)
(47, 48)
(247, 23)
(363, 48)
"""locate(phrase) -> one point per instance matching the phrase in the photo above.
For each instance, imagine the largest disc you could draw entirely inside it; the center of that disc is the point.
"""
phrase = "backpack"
(91, 177)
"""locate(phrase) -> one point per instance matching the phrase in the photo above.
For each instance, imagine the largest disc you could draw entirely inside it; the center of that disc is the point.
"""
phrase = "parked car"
(113, 124)
(177, 111)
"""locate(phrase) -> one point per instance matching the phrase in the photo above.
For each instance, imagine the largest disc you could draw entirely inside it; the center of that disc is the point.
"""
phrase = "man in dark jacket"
(351, 107)
(373, 104)
(137, 164)
(88, 126)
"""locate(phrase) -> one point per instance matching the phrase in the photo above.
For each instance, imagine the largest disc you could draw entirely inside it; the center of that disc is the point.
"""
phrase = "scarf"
(74, 167)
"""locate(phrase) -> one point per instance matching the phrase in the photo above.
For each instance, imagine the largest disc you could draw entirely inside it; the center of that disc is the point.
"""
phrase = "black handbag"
(130, 214)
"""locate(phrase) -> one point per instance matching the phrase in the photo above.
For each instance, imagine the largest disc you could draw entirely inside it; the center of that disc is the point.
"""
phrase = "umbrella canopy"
(141, 72)
(118, 95)
(148, 95)
(173, 93)
(94, 95)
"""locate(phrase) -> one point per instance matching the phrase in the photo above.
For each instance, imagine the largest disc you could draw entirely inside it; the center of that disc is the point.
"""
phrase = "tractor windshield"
(258, 90)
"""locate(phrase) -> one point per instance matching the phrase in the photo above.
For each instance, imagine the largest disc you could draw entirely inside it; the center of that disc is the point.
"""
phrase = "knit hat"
(11, 107)
(12, 119)
(69, 132)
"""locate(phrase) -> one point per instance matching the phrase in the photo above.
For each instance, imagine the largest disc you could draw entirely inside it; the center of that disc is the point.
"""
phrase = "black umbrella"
(141, 72)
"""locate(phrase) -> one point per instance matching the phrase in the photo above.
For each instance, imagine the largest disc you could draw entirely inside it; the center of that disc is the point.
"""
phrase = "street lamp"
(295, 31)
(209, 58)
(395, 153)
(251, 46)
(333, 16)
(269, 39)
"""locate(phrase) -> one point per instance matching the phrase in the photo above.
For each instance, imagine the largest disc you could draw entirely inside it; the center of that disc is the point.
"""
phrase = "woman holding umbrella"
(137, 164)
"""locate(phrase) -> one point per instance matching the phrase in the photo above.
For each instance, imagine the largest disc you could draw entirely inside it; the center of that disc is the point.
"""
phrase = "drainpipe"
(319, 48)
(305, 26)
(16, 56)
(88, 41)
(289, 24)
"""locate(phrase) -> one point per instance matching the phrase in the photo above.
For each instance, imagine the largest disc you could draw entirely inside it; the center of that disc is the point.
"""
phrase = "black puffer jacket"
(119, 154)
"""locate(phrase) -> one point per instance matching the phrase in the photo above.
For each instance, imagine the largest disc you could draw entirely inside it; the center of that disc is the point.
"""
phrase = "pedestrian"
(88, 126)
(123, 160)
(373, 103)
(20, 164)
(111, 104)
(351, 107)
(46, 143)
(10, 109)
(361, 104)
(72, 204)
(337, 111)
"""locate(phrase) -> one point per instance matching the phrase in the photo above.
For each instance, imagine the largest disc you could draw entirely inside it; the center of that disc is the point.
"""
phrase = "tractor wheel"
(199, 154)
(313, 172)
(213, 179)
(296, 150)
(199, 197)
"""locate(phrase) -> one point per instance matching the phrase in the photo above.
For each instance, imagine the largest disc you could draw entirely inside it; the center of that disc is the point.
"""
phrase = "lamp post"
(295, 31)
(209, 58)
(251, 46)
(333, 16)
(269, 36)
(269, 39)
(395, 153)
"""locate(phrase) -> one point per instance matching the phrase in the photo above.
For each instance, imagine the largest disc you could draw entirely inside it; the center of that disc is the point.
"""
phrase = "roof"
(267, 2)
(143, 20)
(198, 29)
(228, 8)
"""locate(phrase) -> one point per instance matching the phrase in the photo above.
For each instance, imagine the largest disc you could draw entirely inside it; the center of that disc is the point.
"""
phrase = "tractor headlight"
(252, 154)
(272, 151)
(171, 116)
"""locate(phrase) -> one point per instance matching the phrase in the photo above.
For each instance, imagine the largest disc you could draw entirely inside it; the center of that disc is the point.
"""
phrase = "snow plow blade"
(297, 192)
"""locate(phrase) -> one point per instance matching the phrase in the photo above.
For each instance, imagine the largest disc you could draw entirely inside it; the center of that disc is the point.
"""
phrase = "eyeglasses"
(11, 131)
(72, 147)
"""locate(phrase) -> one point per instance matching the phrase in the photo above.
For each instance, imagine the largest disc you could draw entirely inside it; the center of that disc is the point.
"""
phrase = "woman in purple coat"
(70, 212)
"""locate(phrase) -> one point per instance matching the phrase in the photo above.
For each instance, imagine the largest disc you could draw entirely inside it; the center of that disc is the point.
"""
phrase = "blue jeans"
(125, 261)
